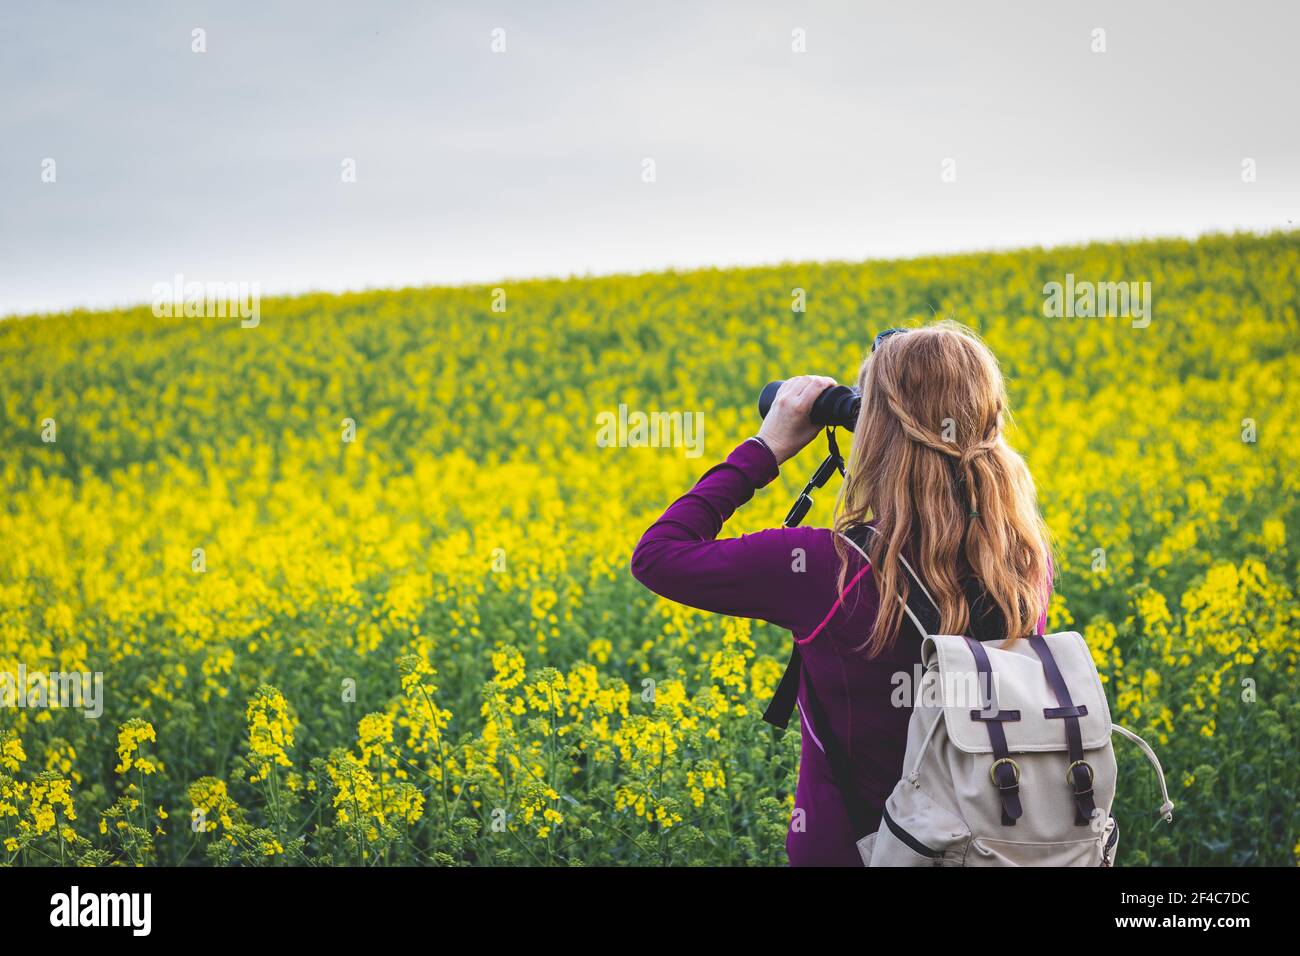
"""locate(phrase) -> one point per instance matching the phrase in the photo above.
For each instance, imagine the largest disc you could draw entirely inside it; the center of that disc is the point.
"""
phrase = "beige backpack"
(1009, 759)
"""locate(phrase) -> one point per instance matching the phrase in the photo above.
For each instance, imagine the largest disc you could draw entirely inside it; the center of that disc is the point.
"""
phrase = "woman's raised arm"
(773, 575)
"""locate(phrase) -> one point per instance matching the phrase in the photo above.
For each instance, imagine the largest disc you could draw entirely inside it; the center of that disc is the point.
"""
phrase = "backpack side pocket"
(917, 831)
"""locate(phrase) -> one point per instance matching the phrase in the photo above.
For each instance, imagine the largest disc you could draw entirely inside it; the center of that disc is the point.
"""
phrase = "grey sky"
(475, 166)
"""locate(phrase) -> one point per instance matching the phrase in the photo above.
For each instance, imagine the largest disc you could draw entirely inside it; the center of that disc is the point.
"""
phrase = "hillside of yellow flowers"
(355, 579)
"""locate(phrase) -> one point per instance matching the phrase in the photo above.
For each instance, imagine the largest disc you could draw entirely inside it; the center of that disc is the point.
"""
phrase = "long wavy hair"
(931, 466)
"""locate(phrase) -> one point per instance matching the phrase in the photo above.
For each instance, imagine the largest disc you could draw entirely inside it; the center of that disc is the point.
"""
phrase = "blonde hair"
(930, 464)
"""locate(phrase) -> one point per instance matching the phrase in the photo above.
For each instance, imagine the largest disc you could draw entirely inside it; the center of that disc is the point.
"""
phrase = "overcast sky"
(475, 166)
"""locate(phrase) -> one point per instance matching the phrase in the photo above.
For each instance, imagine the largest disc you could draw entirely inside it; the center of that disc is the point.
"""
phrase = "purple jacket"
(755, 576)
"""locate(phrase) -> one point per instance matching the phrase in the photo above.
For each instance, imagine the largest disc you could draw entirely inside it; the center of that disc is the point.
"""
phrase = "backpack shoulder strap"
(919, 606)
(781, 707)
(924, 616)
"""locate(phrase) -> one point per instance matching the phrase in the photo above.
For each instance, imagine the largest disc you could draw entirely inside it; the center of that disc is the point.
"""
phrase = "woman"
(931, 482)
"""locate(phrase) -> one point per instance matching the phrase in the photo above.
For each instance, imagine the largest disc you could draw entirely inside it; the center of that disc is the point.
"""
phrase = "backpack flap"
(1039, 695)
(1022, 694)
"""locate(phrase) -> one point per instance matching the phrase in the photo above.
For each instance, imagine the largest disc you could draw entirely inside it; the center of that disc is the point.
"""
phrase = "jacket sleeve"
(771, 575)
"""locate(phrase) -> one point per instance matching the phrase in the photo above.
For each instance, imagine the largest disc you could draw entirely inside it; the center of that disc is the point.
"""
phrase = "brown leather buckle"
(1069, 776)
(1015, 767)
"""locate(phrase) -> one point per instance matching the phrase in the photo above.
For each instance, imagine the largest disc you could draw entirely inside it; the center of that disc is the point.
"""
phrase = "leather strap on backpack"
(1080, 773)
(1005, 772)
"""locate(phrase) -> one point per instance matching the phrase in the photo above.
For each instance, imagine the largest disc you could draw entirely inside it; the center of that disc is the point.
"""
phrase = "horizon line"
(671, 269)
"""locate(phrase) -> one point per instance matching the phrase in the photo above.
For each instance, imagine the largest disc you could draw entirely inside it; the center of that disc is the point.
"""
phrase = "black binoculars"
(838, 405)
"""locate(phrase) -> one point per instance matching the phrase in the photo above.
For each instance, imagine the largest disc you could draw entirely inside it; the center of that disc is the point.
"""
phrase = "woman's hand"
(787, 428)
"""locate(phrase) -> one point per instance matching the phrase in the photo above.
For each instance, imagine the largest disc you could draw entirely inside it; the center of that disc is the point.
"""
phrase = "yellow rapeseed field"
(356, 578)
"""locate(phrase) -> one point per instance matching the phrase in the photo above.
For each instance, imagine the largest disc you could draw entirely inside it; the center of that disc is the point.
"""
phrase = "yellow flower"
(212, 805)
(271, 725)
(375, 732)
(11, 750)
(130, 736)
